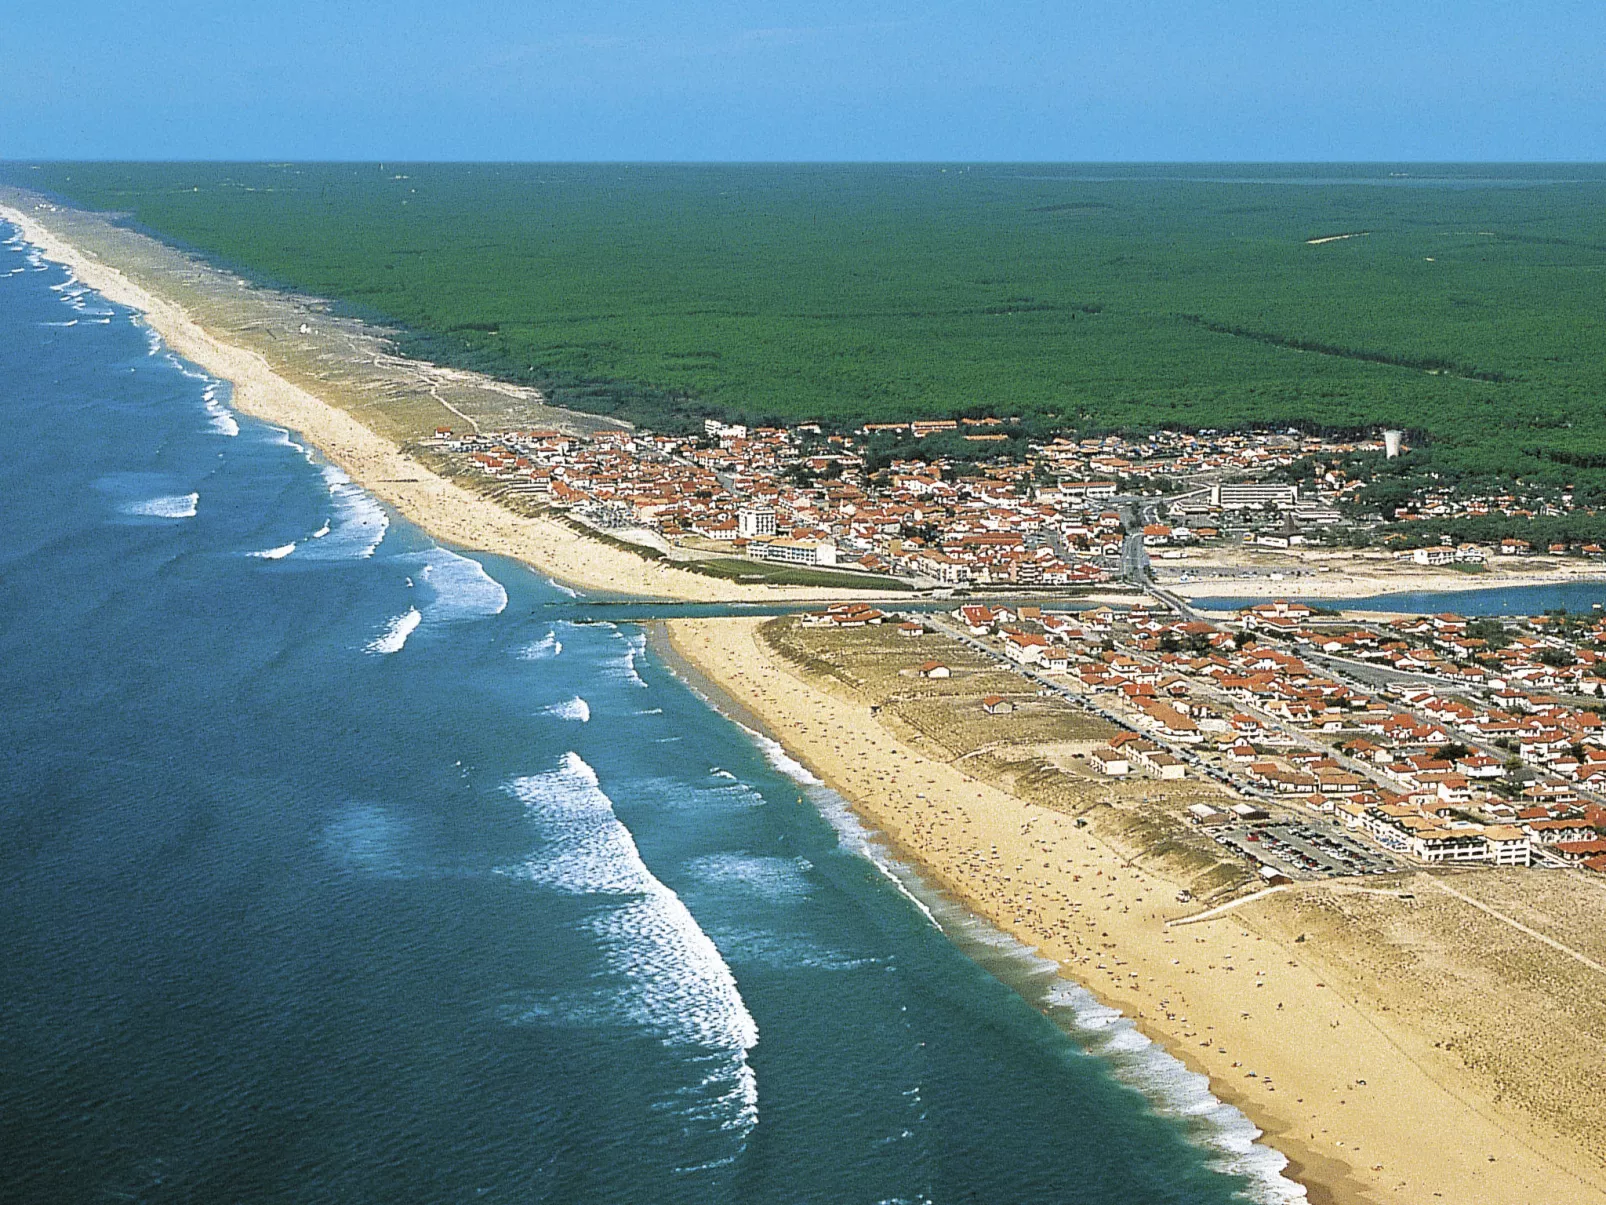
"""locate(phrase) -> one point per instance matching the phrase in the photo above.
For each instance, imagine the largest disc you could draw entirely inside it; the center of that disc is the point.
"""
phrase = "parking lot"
(1305, 850)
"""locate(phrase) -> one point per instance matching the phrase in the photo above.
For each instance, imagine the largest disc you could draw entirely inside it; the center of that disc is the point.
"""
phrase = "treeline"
(1433, 364)
(1573, 530)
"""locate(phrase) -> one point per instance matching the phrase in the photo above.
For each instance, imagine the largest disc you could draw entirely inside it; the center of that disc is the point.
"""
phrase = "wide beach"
(1325, 1056)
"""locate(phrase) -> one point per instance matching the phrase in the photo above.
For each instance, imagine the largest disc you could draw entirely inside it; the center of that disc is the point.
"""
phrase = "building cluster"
(1447, 502)
(1512, 779)
(762, 494)
(801, 496)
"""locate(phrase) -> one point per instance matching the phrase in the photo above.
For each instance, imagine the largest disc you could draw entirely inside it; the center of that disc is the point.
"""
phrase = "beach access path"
(1365, 1108)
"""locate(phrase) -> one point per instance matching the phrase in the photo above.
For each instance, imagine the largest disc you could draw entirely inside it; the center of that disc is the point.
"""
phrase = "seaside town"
(1430, 739)
(1296, 842)
(1342, 747)
(1067, 513)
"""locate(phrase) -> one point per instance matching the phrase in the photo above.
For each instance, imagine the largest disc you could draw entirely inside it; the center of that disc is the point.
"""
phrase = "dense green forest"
(1468, 306)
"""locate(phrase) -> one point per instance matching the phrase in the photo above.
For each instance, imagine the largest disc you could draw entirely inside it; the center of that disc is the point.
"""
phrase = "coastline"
(1348, 1115)
(739, 669)
(959, 920)
(1352, 578)
(441, 507)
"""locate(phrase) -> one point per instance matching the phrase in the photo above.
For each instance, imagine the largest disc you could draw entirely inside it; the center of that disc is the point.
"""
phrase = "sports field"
(1464, 303)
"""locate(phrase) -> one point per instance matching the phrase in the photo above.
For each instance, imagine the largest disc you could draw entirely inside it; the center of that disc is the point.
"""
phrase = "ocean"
(336, 869)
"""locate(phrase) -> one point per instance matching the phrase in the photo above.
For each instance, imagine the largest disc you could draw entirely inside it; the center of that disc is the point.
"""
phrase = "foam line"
(396, 632)
(673, 981)
(170, 506)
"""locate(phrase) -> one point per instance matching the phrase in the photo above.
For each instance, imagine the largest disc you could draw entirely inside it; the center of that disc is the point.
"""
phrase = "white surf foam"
(396, 632)
(1132, 1057)
(186, 369)
(171, 506)
(784, 951)
(764, 876)
(461, 587)
(153, 341)
(221, 420)
(284, 439)
(275, 554)
(358, 524)
(624, 668)
(544, 649)
(674, 983)
(322, 531)
(1175, 1090)
(570, 709)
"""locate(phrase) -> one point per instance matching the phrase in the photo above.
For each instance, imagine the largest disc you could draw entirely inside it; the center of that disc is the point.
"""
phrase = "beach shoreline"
(1351, 576)
(441, 507)
(1328, 1101)
(701, 677)
(798, 715)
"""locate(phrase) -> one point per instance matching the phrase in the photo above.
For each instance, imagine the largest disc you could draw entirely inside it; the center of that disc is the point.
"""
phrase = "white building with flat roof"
(755, 522)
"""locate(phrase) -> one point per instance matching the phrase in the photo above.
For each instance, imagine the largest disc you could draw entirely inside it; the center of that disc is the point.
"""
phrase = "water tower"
(1391, 443)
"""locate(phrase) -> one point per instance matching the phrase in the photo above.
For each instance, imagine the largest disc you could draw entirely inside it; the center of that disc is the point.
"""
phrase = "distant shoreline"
(262, 390)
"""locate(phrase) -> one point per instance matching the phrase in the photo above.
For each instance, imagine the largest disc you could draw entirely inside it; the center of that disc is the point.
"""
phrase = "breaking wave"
(171, 506)
(1176, 1091)
(671, 980)
(275, 554)
(625, 667)
(461, 587)
(358, 524)
(222, 421)
(396, 633)
(570, 709)
(1132, 1057)
(544, 649)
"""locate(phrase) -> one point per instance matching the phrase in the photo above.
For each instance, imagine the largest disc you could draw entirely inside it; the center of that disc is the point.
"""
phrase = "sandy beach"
(1339, 574)
(264, 388)
(1360, 1078)
(1334, 1062)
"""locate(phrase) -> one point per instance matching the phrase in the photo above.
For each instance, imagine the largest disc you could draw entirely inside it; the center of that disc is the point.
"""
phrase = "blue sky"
(809, 79)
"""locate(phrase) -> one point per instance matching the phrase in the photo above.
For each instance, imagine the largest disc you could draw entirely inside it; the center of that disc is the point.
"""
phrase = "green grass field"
(1471, 312)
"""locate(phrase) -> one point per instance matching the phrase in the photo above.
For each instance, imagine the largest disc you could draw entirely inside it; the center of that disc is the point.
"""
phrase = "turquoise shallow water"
(335, 871)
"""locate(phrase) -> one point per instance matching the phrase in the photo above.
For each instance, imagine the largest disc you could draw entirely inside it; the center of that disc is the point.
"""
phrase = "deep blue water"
(343, 874)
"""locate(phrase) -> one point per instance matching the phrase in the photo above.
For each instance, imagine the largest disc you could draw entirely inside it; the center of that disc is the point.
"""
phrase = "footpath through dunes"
(334, 380)
(1395, 1042)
